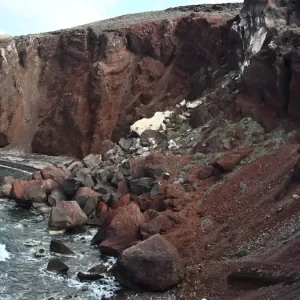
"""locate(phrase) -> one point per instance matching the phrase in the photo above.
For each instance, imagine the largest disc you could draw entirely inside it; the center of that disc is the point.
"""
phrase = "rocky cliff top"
(126, 21)
(228, 9)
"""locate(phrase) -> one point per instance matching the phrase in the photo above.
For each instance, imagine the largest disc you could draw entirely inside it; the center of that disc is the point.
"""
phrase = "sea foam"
(3, 253)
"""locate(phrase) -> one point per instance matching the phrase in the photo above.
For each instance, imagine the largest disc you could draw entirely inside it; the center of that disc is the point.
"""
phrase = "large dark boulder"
(60, 248)
(141, 186)
(56, 266)
(116, 245)
(152, 265)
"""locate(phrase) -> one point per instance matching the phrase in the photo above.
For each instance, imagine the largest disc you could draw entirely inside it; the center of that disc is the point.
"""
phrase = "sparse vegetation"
(243, 249)
(187, 168)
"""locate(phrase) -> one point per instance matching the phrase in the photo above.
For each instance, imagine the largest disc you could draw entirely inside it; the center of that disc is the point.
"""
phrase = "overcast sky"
(32, 16)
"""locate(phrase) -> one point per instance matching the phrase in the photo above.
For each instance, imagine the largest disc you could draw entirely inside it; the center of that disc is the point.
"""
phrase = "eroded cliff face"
(270, 81)
(65, 92)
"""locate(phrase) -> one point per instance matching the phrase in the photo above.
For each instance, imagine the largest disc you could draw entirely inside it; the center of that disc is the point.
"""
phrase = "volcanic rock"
(56, 196)
(88, 276)
(123, 221)
(114, 246)
(141, 186)
(156, 255)
(56, 266)
(87, 200)
(67, 214)
(60, 248)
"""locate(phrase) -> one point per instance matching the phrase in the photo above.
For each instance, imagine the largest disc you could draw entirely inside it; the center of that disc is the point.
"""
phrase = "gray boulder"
(67, 214)
(141, 186)
(153, 265)
(60, 248)
(56, 266)
(56, 196)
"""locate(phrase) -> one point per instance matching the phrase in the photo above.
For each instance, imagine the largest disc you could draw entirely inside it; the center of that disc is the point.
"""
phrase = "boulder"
(161, 223)
(123, 201)
(155, 123)
(60, 248)
(35, 193)
(125, 144)
(106, 146)
(84, 178)
(153, 265)
(156, 190)
(89, 276)
(7, 180)
(205, 172)
(92, 160)
(175, 190)
(141, 186)
(19, 188)
(67, 214)
(56, 196)
(114, 246)
(70, 187)
(99, 269)
(122, 188)
(99, 237)
(58, 173)
(124, 221)
(155, 165)
(87, 200)
(105, 175)
(56, 266)
(118, 177)
(227, 162)
(5, 190)
(102, 209)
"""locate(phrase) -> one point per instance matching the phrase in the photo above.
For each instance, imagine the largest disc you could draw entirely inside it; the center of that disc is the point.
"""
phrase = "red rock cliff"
(65, 92)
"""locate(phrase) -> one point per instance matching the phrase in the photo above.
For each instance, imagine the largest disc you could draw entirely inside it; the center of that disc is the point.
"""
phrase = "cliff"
(65, 92)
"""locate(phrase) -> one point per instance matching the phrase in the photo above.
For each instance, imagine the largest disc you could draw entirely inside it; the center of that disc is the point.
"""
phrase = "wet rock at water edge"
(32, 243)
(59, 248)
(66, 215)
(116, 245)
(56, 266)
(152, 265)
(42, 208)
(56, 196)
(99, 269)
(89, 276)
(99, 237)
(40, 253)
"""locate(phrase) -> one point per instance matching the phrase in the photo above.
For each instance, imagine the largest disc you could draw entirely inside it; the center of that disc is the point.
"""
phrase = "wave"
(3, 253)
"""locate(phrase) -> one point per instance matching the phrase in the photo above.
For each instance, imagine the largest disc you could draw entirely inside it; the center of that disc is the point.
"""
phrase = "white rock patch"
(155, 123)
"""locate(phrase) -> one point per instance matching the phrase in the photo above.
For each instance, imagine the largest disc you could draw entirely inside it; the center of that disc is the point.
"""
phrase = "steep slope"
(65, 92)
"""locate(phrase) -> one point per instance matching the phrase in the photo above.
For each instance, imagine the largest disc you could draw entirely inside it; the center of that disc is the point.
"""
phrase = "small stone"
(296, 197)
(32, 243)
(85, 288)
(166, 176)
(279, 209)
(40, 253)
(156, 190)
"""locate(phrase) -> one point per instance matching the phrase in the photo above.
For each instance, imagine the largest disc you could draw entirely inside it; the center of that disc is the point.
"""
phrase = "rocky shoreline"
(194, 180)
